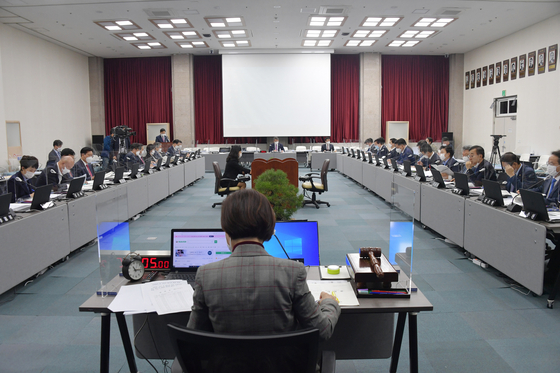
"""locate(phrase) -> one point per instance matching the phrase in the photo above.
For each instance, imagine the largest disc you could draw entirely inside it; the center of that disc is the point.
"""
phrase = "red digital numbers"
(155, 263)
(145, 262)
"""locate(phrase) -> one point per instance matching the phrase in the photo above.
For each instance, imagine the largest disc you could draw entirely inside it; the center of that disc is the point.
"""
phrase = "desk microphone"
(540, 182)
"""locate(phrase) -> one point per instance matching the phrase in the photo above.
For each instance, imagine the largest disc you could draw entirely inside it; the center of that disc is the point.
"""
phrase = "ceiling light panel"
(321, 33)
(359, 43)
(368, 33)
(235, 43)
(403, 43)
(191, 44)
(132, 36)
(182, 35)
(171, 23)
(316, 43)
(152, 45)
(380, 21)
(325, 21)
(433, 22)
(222, 22)
(118, 25)
(230, 34)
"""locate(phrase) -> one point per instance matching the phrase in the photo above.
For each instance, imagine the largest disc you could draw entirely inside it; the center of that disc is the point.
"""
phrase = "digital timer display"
(154, 263)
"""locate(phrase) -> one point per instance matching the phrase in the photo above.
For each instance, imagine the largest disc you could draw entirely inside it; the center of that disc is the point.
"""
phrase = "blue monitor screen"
(113, 236)
(300, 240)
(402, 234)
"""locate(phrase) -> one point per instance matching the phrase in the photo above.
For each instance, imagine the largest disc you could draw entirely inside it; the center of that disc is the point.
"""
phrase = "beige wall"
(97, 95)
(456, 89)
(183, 98)
(46, 88)
(538, 96)
(370, 96)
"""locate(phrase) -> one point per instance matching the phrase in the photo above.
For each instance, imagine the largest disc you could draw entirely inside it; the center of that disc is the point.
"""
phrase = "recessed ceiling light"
(238, 32)
(233, 20)
(224, 36)
(154, 44)
(380, 21)
(179, 21)
(242, 42)
(309, 43)
(318, 19)
(123, 23)
(130, 38)
(113, 28)
(367, 43)
(352, 43)
(324, 43)
(218, 24)
(198, 42)
(165, 25)
(433, 22)
(189, 33)
(186, 46)
(144, 47)
(229, 45)
(176, 36)
(140, 34)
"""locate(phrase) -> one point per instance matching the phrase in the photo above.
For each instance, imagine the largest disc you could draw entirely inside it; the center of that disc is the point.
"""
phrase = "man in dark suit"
(478, 168)
(60, 173)
(520, 176)
(276, 147)
(83, 165)
(251, 292)
(369, 143)
(157, 154)
(379, 144)
(327, 146)
(175, 148)
(54, 155)
(162, 136)
(447, 159)
(133, 156)
(551, 187)
(405, 152)
(393, 153)
(19, 184)
(430, 158)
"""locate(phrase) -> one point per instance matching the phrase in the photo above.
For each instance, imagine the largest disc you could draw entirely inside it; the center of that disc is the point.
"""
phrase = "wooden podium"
(289, 166)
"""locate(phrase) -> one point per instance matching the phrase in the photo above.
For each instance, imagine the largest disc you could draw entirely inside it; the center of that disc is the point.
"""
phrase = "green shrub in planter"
(282, 195)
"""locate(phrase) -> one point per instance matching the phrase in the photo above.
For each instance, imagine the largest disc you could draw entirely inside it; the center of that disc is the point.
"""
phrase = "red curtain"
(416, 89)
(345, 97)
(138, 91)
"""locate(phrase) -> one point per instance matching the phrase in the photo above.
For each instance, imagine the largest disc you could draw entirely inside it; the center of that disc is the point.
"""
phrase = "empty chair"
(316, 148)
(218, 188)
(300, 148)
(319, 186)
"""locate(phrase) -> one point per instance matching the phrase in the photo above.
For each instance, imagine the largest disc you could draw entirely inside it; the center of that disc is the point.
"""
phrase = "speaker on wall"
(449, 135)
(97, 139)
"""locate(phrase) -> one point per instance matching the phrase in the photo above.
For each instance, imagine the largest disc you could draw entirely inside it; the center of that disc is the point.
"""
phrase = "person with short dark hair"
(429, 158)
(54, 155)
(430, 141)
(134, 155)
(520, 175)
(276, 147)
(252, 292)
(551, 186)
(162, 136)
(175, 148)
(150, 159)
(478, 168)
(20, 184)
(446, 142)
(83, 165)
(60, 173)
(327, 146)
(393, 153)
(380, 147)
(405, 152)
(157, 147)
(447, 159)
(369, 143)
(234, 168)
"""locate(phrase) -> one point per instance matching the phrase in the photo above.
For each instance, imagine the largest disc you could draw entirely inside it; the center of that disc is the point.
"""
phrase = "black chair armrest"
(243, 178)
(328, 362)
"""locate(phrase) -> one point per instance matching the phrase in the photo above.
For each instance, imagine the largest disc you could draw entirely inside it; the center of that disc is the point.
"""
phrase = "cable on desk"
(164, 362)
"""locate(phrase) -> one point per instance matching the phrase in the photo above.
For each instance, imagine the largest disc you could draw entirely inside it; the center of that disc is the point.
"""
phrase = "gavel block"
(371, 266)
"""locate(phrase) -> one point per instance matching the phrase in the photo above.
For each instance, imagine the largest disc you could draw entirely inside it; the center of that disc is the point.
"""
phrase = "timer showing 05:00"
(154, 263)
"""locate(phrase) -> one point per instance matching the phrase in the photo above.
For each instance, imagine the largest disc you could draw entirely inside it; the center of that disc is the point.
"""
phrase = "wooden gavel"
(372, 253)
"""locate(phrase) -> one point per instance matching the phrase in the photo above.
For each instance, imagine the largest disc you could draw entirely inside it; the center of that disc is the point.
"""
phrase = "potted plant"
(282, 195)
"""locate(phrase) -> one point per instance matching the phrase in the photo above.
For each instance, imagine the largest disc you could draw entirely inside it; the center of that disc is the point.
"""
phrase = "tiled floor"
(478, 324)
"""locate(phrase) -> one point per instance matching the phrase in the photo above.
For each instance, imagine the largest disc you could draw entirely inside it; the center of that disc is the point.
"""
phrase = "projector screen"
(267, 95)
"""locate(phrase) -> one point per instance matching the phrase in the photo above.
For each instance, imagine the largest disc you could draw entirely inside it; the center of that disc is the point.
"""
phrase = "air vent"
(333, 10)
(159, 12)
(308, 10)
(345, 33)
(207, 35)
(450, 12)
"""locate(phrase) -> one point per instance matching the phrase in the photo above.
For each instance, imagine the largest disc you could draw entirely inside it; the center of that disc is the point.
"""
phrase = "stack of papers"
(163, 297)
(342, 290)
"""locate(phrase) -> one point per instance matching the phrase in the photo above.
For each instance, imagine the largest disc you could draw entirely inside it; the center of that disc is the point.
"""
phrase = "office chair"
(309, 185)
(218, 189)
(199, 351)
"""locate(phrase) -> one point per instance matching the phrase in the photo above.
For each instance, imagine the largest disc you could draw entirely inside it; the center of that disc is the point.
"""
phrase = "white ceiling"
(70, 23)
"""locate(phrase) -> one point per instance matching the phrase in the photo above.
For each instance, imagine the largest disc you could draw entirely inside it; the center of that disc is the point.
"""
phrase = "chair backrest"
(218, 174)
(524, 157)
(324, 171)
(300, 148)
(543, 159)
(251, 149)
(200, 351)
(316, 148)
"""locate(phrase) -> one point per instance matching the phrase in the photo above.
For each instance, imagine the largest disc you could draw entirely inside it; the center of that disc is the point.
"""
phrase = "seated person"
(478, 168)
(380, 147)
(175, 148)
(251, 292)
(405, 152)
(551, 186)
(447, 159)
(393, 153)
(83, 165)
(276, 146)
(429, 157)
(369, 143)
(19, 184)
(60, 173)
(157, 154)
(520, 176)
(446, 142)
(150, 159)
(327, 146)
(430, 141)
(133, 156)
(419, 144)
(233, 168)
(162, 136)
(54, 155)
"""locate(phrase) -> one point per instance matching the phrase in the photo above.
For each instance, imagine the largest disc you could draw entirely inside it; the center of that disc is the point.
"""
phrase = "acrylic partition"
(401, 232)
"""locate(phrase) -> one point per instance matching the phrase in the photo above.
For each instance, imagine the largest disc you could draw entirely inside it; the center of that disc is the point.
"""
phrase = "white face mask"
(275, 142)
(466, 158)
(177, 147)
(399, 150)
(551, 170)
(328, 142)
(240, 154)
(89, 159)
(29, 174)
(152, 152)
(65, 170)
(442, 157)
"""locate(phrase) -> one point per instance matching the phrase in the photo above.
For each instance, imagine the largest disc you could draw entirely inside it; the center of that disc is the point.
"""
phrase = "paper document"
(343, 275)
(428, 173)
(342, 289)
(19, 206)
(443, 169)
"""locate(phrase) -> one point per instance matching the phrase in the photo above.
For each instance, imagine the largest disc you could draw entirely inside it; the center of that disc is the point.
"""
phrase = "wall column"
(456, 90)
(183, 98)
(370, 96)
(97, 95)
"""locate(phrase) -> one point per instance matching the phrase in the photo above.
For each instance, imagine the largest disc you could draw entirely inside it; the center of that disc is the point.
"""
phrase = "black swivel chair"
(204, 352)
(316, 187)
(218, 188)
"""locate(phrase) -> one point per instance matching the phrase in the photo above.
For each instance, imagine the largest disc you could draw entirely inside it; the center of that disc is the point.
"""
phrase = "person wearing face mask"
(478, 168)
(234, 168)
(252, 292)
(405, 152)
(380, 147)
(447, 158)
(393, 153)
(327, 146)
(370, 147)
(134, 155)
(162, 136)
(429, 157)
(175, 148)
(445, 142)
(430, 141)
(19, 184)
(157, 154)
(60, 173)
(54, 155)
(149, 158)
(276, 147)
(520, 175)
(551, 186)
(83, 165)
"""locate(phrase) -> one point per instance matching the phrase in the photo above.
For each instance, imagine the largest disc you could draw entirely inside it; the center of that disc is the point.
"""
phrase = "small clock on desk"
(132, 267)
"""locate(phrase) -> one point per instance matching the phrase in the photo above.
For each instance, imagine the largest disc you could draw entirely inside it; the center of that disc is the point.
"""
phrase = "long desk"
(363, 332)
(267, 156)
(317, 160)
(509, 243)
(58, 231)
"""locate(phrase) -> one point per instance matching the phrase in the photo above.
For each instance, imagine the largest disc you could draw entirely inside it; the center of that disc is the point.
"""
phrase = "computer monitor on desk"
(134, 167)
(295, 240)
(492, 193)
(75, 188)
(42, 195)
(98, 181)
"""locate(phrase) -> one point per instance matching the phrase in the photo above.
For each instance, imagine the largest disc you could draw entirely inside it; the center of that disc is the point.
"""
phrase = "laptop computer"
(192, 248)
(75, 188)
(407, 169)
(420, 175)
(492, 193)
(534, 207)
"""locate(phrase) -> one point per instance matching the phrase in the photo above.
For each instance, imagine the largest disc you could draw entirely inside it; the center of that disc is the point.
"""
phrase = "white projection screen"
(267, 95)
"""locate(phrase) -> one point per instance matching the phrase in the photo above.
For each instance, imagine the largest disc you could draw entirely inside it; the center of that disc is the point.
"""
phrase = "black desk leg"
(398, 342)
(126, 342)
(552, 296)
(105, 342)
(413, 341)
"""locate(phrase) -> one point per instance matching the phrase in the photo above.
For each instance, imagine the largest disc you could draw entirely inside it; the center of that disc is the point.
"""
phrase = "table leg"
(105, 342)
(413, 341)
(398, 342)
(126, 342)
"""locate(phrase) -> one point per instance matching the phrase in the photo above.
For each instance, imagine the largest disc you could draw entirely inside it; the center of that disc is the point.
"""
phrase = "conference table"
(209, 158)
(317, 160)
(508, 242)
(72, 223)
(366, 331)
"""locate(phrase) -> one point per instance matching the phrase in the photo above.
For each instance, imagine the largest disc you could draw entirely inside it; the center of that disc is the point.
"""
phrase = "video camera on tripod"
(123, 132)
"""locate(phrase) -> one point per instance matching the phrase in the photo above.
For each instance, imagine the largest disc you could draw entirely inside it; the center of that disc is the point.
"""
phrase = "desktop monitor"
(295, 240)
(493, 190)
(364, 158)
(385, 163)
(76, 185)
(438, 179)
(134, 170)
(534, 205)
(370, 157)
(5, 200)
(462, 183)
(394, 165)
(377, 160)
(42, 195)
(353, 153)
(98, 180)
(407, 169)
(119, 172)
(420, 175)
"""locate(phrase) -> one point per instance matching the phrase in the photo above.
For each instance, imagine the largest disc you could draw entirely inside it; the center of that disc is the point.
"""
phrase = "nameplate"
(458, 191)
(122, 181)
(489, 201)
(435, 184)
(417, 178)
(78, 194)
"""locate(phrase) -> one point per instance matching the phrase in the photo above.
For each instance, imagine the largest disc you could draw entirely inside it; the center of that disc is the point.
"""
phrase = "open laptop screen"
(300, 240)
(192, 248)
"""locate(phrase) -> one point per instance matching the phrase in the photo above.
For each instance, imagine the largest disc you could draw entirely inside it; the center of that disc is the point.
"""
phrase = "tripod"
(496, 156)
